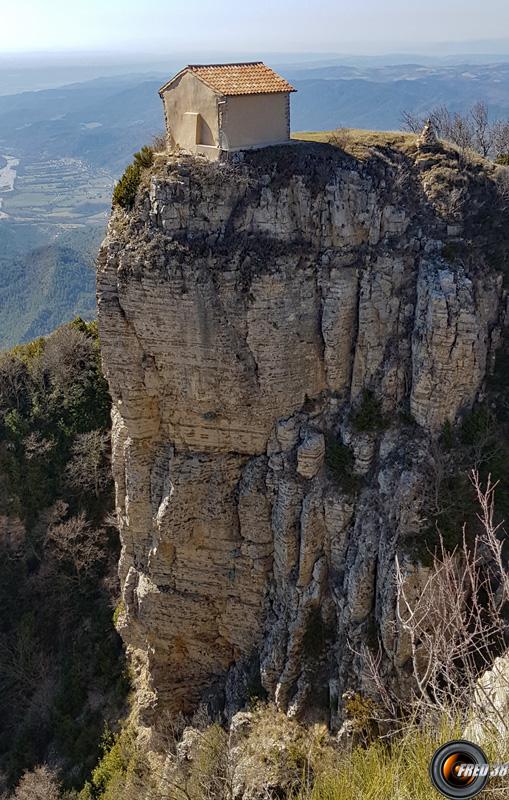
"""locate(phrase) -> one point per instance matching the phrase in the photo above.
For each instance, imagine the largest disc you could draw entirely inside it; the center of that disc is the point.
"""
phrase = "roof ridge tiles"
(238, 78)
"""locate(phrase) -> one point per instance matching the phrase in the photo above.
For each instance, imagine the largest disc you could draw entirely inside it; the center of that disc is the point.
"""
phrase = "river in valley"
(7, 179)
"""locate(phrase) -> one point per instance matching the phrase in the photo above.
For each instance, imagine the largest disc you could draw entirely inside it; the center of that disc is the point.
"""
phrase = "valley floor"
(7, 179)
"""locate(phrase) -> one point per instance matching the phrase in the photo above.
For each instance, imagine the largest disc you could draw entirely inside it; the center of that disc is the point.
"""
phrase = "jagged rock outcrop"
(490, 704)
(284, 338)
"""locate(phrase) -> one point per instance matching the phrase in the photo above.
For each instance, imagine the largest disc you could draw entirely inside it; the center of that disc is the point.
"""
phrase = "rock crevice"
(248, 312)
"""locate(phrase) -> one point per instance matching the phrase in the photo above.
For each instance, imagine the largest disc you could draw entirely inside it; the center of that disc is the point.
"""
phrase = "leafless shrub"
(77, 543)
(111, 520)
(470, 131)
(454, 625)
(201, 718)
(68, 355)
(88, 467)
(502, 181)
(210, 777)
(197, 765)
(37, 446)
(339, 137)
(412, 122)
(170, 729)
(501, 138)
(40, 784)
(23, 666)
(483, 131)
(14, 382)
(159, 143)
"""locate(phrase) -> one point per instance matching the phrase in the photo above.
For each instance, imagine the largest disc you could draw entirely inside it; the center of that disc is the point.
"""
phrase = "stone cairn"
(428, 138)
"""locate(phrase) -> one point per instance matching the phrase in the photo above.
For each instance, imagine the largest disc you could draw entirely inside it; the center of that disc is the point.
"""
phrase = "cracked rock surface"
(245, 312)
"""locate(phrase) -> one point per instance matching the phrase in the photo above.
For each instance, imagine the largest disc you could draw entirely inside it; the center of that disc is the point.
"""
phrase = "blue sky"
(179, 26)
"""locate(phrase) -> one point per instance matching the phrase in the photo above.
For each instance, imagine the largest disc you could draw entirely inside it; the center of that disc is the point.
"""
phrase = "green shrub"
(315, 635)
(362, 713)
(117, 767)
(15, 424)
(406, 417)
(503, 159)
(145, 157)
(124, 193)
(368, 414)
(447, 437)
(339, 460)
(450, 251)
(208, 777)
(31, 351)
(119, 611)
(381, 771)
(480, 430)
(480, 441)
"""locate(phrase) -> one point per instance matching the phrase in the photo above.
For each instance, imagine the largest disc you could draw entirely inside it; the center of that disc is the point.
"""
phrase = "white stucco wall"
(257, 119)
(187, 96)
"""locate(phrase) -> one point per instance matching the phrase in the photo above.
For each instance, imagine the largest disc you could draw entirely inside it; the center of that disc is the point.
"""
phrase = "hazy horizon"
(285, 26)
(433, 50)
(37, 70)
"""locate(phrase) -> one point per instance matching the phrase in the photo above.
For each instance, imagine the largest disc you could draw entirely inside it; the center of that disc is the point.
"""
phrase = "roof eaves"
(168, 83)
(182, 71)
(257, 94)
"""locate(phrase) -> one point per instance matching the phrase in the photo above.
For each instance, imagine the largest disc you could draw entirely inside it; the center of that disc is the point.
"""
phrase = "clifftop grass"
(358, 142)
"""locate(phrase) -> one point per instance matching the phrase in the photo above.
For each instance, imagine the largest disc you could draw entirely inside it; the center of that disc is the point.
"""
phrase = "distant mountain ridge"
(376, 97)
(100, 123)
(46, 282)
(122, 112)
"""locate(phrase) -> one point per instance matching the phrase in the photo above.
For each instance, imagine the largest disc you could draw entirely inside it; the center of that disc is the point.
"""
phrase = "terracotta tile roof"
(235, 79)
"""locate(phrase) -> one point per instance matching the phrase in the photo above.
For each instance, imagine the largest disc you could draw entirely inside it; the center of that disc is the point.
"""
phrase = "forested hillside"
(43, 283)
(61, 671)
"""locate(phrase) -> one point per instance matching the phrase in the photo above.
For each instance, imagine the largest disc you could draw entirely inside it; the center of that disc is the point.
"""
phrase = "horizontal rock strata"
(250, 315)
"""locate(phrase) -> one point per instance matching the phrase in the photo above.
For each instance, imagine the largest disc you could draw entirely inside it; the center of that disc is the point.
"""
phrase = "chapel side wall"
(190, 95)
(251, 120)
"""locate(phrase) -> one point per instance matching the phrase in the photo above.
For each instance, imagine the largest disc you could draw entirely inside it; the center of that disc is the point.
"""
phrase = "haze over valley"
(62, 148)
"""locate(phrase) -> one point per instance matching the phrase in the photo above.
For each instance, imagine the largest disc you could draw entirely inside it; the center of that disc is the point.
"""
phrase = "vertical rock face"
(251, 314)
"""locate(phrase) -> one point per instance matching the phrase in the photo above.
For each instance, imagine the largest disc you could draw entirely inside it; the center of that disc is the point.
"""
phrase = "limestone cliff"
(284, 338)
